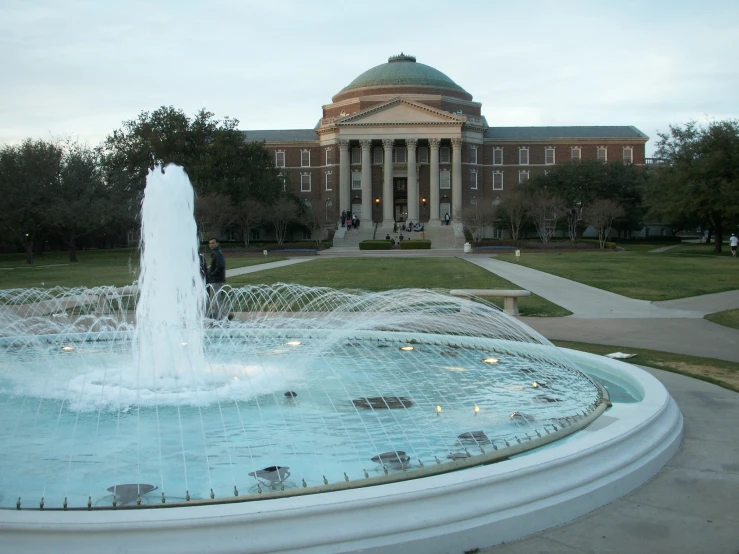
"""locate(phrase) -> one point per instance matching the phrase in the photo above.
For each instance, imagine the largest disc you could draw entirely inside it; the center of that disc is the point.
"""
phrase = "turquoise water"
(67, 430)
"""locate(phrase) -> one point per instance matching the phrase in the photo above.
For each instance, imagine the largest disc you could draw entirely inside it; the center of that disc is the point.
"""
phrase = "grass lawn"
(378, 274)
(677, 273)
(116, 267)
(719, 372)
(729, 318)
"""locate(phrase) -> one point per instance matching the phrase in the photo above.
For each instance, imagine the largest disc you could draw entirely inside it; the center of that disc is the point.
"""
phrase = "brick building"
(403, 141)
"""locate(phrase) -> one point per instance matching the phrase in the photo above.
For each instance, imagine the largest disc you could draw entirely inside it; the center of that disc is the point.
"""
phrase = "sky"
(78, 68)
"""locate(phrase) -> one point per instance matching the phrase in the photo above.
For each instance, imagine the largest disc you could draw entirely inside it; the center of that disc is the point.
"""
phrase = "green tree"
(699, 180)
(29, 173)
(214, 153)
(580, 184)
(79, 201)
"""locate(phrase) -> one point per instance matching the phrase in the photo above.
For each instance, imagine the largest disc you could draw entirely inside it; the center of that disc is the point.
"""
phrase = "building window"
(498, 180)
(575, 153)
(399, 153)
(305, 182)
(473, 154)
(497, 233)
(356, 180)
(445, 180)
(280, 158)
(444, 155)
(378, 155)
(305, 158)
(628, 154)
(473, 179)
(328, 156)
(602, 154)
(497, 156)
(523, 156)
(423, 155)
(523, 176)
(549, 155)
(283, 178)
(329, 180)
(356, 155)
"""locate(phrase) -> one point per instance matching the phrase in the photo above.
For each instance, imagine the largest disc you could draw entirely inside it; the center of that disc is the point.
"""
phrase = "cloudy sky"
(79, 68)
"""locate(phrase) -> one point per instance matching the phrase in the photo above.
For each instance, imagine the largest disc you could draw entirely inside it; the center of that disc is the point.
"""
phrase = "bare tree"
(249, 215)
(546, 209)
(213, 212)
(600, 214)
(314, 220)
(574, 217)
(514, 210)
(477, 218)
(281, 214)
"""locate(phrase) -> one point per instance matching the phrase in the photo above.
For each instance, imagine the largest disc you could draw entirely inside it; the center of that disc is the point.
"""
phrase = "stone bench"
(510, 297)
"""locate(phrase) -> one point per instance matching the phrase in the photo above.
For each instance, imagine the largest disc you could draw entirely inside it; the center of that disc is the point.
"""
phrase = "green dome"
(403, 70)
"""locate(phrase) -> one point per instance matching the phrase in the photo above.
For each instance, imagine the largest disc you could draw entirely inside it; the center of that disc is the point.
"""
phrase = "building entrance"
(400, 198)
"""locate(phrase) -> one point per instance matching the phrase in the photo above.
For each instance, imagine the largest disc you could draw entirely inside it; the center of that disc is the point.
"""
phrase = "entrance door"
(357, 210)
(400, 198)
(444, 208)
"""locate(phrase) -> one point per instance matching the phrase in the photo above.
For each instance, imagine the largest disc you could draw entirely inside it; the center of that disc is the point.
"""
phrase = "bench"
(510, 297)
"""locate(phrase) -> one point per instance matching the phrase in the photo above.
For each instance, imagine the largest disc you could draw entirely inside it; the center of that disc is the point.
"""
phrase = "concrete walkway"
(268, 265)
(690, 507)
(582, 300)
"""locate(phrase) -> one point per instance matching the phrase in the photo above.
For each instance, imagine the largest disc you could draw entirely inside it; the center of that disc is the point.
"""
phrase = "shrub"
(415, 245)
(383, 244)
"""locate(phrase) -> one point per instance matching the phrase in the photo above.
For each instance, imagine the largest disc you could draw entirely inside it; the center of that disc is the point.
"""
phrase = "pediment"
(401, 112)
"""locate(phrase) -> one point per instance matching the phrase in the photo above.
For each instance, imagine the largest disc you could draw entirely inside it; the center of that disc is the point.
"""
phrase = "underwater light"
(406, 348)
(67, 348)
(293, 343)
(491, 360)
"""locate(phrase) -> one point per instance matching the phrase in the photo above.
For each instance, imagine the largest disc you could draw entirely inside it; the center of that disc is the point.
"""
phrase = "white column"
(366, 181)
(387, 182)
(434, 181)
(411, 144)
(456, 175)
(345, 202)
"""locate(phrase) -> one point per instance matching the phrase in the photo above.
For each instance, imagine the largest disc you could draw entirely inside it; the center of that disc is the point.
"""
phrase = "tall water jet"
(168, 340)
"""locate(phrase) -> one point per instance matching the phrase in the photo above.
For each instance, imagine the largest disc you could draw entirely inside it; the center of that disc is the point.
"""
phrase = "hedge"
(415, 245)
(383, 244)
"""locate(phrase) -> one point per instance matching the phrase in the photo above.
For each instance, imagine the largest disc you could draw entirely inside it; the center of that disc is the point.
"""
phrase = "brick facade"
(427, 114)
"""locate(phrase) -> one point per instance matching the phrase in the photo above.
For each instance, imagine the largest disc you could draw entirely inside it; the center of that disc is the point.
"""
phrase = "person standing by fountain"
(216, 276)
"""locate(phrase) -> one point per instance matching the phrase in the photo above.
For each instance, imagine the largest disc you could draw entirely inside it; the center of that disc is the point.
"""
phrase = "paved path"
(582, 300)
(665, 248)
(268, 265)
(690, 507)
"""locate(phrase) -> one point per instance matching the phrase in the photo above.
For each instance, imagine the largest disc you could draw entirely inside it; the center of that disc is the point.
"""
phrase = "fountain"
(403, 417)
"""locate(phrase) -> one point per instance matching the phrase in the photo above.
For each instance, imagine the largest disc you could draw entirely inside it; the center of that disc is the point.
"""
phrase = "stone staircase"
(445, 239)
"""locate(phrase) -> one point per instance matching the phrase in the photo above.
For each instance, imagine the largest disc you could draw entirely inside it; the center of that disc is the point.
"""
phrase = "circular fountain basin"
(450, 512)
(352, 406)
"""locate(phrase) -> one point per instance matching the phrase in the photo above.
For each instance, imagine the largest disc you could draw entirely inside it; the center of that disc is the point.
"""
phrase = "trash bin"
(467, 248)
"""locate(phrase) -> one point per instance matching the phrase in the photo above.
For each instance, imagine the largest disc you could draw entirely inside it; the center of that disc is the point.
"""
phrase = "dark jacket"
(217, 272)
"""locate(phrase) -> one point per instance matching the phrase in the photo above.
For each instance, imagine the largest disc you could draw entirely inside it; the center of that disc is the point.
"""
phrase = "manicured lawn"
(729, 318)
(117, 267)
(719, 372)
(677, 273)
(378, 274)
